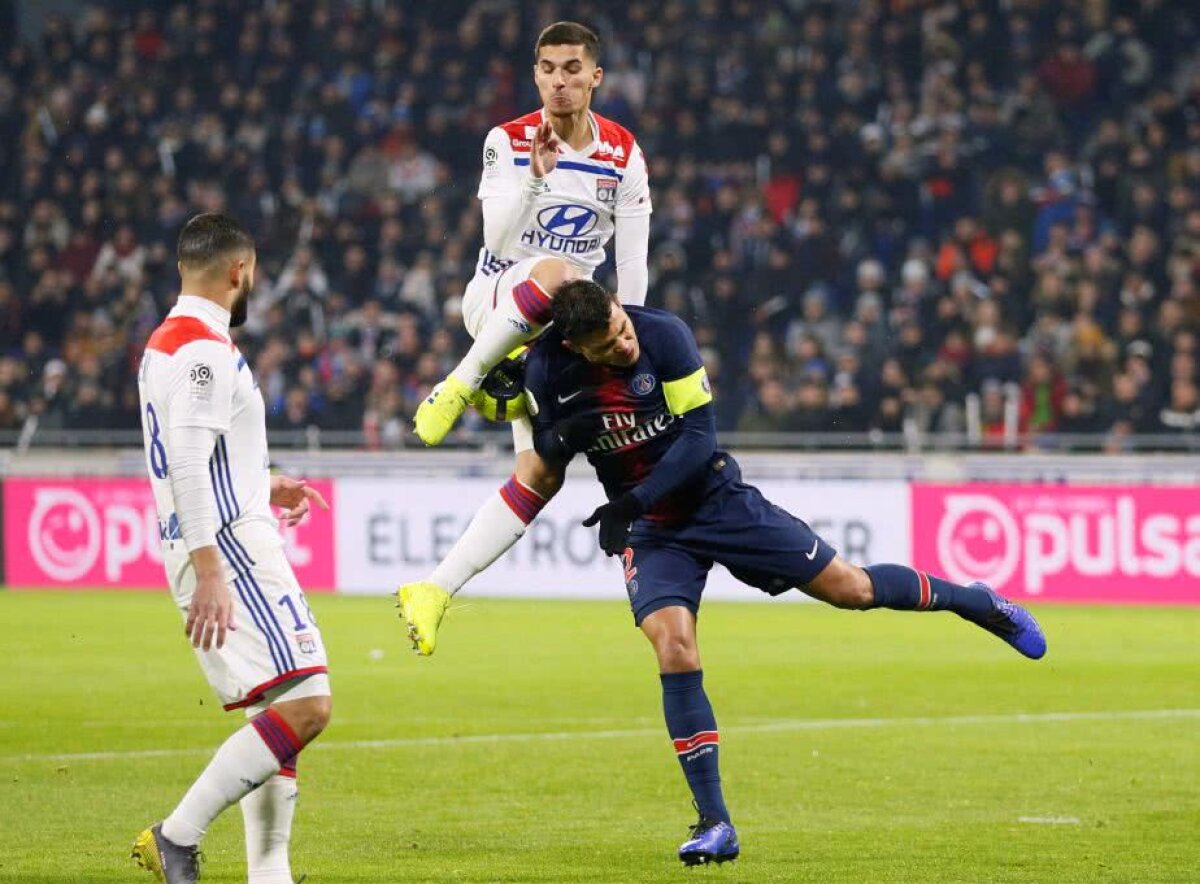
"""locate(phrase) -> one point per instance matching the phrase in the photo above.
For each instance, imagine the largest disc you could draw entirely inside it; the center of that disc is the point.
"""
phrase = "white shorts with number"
(276, 640)
(485, 292)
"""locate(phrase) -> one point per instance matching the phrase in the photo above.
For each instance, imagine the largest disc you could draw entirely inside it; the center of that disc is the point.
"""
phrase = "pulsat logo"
(567, 221)
(1065, 542)
(978, 539)
(64, 533)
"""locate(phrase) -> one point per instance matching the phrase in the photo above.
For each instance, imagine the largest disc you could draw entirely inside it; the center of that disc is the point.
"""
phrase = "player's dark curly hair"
(581, 307)
(569, 33)
(210, 236)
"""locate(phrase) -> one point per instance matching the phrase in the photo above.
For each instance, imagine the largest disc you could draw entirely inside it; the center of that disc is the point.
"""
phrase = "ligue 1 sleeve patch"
(200, 382)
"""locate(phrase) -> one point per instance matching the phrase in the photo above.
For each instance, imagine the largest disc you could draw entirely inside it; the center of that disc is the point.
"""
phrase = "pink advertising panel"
(90, 533)
(1063, 543)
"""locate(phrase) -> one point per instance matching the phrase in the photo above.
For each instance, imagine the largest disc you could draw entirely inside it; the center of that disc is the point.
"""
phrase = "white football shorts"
(277, 640)
(483, 295)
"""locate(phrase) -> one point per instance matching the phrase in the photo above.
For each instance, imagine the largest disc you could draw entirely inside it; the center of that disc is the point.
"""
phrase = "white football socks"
(267, 813)
(497, 525)
(514, 321)
(241, 765)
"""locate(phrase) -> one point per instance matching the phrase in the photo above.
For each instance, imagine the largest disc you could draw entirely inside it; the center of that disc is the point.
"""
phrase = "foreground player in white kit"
(206, 451)
(557, 185)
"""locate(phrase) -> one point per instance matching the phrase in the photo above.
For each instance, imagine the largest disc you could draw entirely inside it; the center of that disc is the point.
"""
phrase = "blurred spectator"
(867, 211)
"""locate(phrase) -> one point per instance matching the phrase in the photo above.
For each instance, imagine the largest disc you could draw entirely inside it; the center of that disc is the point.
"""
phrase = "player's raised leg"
(692, 727)
(903, 588)
(496, 526)
(521, 310)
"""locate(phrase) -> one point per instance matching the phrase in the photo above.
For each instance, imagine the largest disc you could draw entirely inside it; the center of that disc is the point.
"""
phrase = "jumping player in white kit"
(557, 185)
(203, 423)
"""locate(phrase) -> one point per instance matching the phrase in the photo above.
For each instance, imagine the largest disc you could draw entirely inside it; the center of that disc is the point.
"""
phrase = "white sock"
(267, 813)
(514, 321)
(241, 765)
(497, 525)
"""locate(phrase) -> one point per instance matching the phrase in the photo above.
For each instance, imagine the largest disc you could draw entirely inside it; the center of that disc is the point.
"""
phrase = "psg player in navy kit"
(626, 387)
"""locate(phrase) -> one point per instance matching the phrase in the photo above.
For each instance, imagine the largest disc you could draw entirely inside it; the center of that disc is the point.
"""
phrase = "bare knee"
(672, 632)
(843, 585)
(536, 474)
(677, 653)
(550, 273)
(307, 716)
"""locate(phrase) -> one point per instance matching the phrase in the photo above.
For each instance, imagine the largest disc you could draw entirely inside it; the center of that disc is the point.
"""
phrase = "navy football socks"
(905, 589)
(693, 728)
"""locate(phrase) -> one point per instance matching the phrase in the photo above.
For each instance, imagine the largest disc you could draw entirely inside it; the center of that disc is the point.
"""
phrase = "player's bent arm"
(508, 195)
(689, 452)
(504, 218)
(630, 252)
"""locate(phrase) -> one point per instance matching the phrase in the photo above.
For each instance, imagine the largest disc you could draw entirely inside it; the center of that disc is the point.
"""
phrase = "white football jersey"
(193, 375)
(589, 190)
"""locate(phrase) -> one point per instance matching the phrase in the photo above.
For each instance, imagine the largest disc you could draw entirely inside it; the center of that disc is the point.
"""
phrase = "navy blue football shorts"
(760, 543)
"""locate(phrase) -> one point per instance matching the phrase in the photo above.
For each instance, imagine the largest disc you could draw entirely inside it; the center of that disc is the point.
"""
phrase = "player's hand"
(210, 615)
(543, 155)
(616, 520)
(293, 495)
(576, 434)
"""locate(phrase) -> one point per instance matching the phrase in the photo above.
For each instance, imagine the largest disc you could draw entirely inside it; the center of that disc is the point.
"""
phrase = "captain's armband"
(688, 392)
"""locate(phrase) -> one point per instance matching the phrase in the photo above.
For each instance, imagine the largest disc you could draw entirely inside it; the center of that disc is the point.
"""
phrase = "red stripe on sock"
(279, 720)
(288, 769)
(926, 592)
(533, 302)
(703, 738)
(278, 735)
(523, 501)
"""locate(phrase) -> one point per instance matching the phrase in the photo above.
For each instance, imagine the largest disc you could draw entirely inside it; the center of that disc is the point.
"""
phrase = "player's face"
(245, 282)
(565, 77)
(616, 346)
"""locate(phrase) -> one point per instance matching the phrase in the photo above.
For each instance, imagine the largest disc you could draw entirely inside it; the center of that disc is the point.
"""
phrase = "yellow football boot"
(422, 606)
(169, 862)
(441, 409)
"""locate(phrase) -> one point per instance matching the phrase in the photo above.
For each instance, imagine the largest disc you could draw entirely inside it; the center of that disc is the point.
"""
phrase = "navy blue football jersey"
(636, 410)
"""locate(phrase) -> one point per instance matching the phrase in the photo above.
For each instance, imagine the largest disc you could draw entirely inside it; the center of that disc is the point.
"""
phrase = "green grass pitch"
(875, 747)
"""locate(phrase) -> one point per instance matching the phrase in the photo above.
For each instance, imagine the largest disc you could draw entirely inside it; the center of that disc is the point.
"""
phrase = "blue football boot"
(1015, 625)
(711, 841)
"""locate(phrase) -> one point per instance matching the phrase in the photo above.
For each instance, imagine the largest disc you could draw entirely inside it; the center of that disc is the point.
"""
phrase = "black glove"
(576, 434)
(616, 519)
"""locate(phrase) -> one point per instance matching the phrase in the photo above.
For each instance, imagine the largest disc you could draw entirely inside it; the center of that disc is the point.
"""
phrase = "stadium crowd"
(867, 210)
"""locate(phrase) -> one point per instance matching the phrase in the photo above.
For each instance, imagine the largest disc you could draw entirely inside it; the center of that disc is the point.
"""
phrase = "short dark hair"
(581, 307)
(210, 236)
(568, 33)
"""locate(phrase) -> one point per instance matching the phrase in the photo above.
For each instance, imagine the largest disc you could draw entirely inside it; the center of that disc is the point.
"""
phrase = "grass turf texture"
(587, 788)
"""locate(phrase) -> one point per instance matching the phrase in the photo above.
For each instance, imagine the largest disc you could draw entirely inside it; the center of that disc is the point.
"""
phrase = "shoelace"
(701, 826)
(200, 858)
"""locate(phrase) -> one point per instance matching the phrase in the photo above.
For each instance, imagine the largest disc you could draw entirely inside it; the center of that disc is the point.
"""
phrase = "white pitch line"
(793, 724)
(1050, 820)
